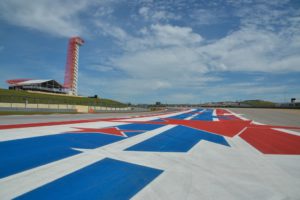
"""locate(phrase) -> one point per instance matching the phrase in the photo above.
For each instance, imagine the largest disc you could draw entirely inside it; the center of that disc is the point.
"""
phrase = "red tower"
(71, 73)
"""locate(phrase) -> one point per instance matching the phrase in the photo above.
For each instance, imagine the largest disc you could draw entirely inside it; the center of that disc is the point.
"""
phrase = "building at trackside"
(50, 85)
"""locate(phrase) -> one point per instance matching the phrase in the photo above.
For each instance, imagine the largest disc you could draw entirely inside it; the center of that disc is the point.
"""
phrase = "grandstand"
(49, 85)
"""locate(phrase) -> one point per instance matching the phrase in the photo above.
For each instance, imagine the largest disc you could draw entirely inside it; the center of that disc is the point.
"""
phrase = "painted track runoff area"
(191, 154)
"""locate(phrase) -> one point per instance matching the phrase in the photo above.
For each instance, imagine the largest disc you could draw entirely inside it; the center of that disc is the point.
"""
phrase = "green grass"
(13, 96)
(259, 103)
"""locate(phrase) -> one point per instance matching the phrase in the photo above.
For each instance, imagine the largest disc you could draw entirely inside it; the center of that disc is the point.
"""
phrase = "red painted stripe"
(269, 141)
(226, 128)
(28, 125)
(222, 111)
(229, 115)
(11, 126)
(272, 126)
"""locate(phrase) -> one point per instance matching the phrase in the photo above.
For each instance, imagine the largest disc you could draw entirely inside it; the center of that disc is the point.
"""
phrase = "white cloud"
(144, 11)
(166, 63)
(110, 30)
(125, 88)
(100, 68)
(166, 52)
(184, 61)
(104, 11)
(175, 35)
(245, 90)
(159, 36)
(56, 17)
(205, 17)
(156, 15)
(164, 15)
(251, 49)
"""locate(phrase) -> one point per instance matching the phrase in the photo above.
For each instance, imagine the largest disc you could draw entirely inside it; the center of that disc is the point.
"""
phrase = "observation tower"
(71, 73)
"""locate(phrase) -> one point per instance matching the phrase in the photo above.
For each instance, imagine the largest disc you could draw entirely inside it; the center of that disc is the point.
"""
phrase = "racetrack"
(191, 154)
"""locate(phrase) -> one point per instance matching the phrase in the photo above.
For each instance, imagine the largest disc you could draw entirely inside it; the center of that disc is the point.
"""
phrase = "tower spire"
(71, 73)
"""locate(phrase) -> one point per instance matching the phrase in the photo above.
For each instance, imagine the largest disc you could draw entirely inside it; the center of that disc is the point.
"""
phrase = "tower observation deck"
(71, 73)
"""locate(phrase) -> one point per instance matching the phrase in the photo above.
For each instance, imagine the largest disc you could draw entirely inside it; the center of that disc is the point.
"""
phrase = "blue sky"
(173, 51)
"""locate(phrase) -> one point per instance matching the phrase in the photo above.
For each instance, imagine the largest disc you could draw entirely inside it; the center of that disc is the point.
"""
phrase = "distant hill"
(258, 103)
(13, 96)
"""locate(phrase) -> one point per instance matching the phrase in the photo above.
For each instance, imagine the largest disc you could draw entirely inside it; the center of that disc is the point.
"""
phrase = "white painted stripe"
(288, 131)
(191, 117)
(22, 133)
(215, 116)
(242, 131)
(21, 183)
(157, 116)
(237, 115)
(195, 115)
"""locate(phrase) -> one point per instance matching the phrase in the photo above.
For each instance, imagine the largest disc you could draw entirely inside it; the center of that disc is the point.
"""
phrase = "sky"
(172, 51)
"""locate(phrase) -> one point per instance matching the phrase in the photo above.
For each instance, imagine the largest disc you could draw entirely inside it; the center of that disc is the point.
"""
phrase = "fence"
(25, 103)
(58, 100)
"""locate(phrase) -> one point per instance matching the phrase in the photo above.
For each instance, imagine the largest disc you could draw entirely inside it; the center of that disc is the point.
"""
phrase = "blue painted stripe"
(23, 154)
(185, 115)
(181, 116)
(224, 117)
(146, 127)
(157, 120)
(207, 115)
(141, 127)
(106, 179)
(178, 139)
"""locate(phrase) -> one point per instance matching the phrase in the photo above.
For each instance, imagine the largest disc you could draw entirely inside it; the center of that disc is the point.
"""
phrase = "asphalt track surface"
(191, 154)
(288, 117)
(22, 119)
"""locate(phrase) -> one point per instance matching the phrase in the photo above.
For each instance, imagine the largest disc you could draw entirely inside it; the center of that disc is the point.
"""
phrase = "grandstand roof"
(29, 82)
(33, 82)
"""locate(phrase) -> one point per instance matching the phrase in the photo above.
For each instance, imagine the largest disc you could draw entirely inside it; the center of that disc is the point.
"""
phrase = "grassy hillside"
(259, 103)
(21, 96)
